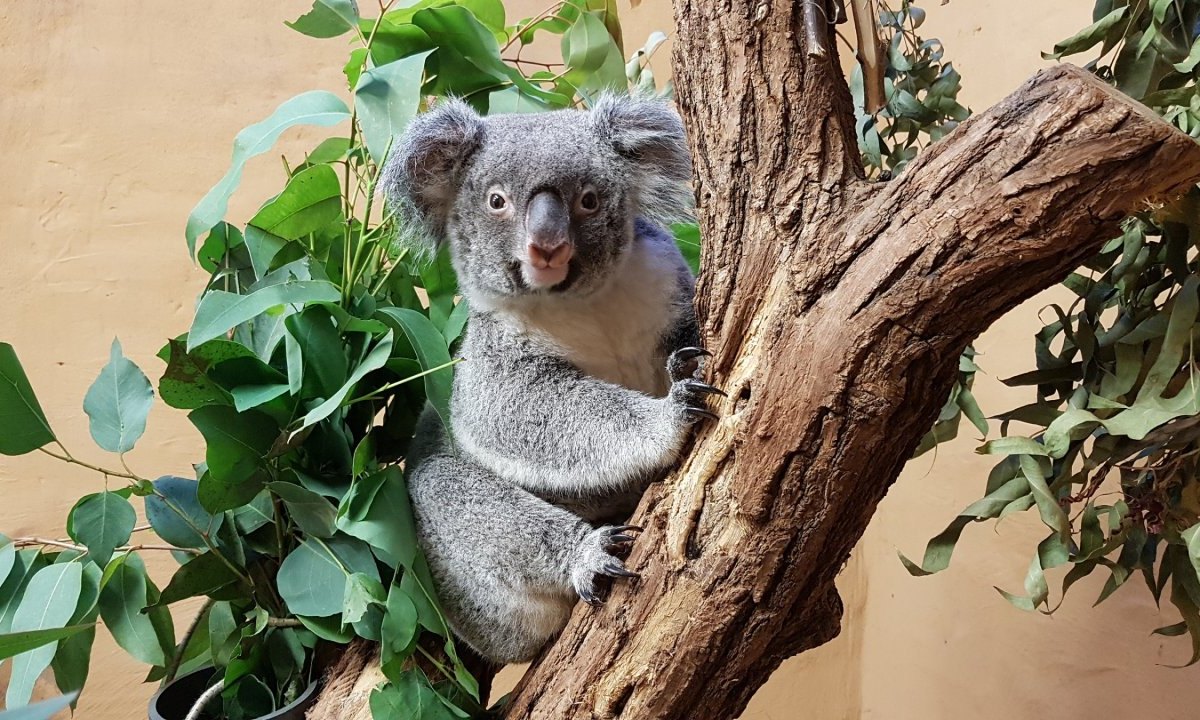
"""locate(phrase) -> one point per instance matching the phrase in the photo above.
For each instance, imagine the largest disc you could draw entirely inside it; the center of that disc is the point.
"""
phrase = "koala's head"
(539, 203)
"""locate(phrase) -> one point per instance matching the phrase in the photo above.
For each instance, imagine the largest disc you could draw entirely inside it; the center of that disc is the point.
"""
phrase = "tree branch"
(837, 312)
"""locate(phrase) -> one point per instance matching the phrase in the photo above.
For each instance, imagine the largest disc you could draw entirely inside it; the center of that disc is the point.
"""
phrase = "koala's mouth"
(528, 278)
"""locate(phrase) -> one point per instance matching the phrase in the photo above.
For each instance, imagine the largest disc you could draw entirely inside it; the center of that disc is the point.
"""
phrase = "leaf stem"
(380, 390)
(67, 457)
(65, 545)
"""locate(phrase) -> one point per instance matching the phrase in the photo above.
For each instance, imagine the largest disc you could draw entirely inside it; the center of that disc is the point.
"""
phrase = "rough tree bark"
(836, 310)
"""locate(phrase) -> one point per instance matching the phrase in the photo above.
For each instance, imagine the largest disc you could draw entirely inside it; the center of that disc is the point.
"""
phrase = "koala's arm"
(543, 424)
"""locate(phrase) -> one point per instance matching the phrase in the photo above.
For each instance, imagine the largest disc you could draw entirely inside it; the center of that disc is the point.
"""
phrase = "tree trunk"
(836, 310)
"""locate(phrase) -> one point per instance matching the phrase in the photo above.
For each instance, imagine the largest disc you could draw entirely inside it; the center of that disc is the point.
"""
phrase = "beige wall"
(116, 116)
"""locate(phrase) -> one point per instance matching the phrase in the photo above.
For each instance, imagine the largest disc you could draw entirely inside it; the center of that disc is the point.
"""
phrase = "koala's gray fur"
(571, 397)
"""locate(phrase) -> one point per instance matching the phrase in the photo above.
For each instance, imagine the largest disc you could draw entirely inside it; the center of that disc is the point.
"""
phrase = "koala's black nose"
(547, 226)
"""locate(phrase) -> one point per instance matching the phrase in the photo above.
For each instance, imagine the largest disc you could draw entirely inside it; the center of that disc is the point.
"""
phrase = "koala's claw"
(702, 412)
(593, 560)
(615, 568)
(680, 364)
(688, 353)
(704, 388)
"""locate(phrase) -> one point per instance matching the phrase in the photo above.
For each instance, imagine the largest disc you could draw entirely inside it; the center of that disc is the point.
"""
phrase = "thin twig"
(204, 699)
(30, 541)
(181, 648)
(68, 458)
(283, 622)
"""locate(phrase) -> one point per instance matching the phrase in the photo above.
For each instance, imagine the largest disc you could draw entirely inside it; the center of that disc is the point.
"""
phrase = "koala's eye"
(496, 201)
(589, 201)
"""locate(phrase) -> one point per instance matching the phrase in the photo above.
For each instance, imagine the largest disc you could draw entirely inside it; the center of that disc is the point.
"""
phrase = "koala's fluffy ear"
(649, 133)
(425, 169)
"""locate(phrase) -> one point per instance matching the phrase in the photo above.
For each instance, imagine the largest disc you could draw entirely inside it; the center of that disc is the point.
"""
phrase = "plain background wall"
(115, 117)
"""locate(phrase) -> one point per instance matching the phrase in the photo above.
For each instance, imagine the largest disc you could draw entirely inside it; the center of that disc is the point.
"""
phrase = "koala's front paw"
(594, 557)
(686, 391)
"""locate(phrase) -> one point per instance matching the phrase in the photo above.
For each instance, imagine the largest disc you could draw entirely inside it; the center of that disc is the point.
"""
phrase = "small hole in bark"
(618, 705)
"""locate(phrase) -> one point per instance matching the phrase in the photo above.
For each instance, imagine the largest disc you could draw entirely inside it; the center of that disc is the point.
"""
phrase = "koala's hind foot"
(593, 558)
(683, 366)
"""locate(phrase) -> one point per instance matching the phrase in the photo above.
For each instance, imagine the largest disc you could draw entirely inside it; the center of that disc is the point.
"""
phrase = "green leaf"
(237, 447)
(585, 46)
(431, 351)
(312, 579)
(1178, 338)
(373, 361)
(386, 99)
(261, 244)
(313, 513)
(399, 629)
(103, 522)
(185, 384)
(44, 710)
(321, 350)
(362, 591)
(468, 58)
(204, 574)
(326, 19)
(311, 200)
(219, 311)
(1191, 536)
(514, 100)
(48, 602)
(409, 696)
(1087, 37)
(117, 403)
(8, 557)
(378, 512)
(23, 425)
(18, 642)
(176, 515)
(223, 635)
(457, 322)
(1013, 446)
(311, 108)
(122, 600)
(72, 660)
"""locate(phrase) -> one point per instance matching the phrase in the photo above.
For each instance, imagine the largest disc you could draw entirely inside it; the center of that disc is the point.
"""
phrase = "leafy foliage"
(1110, 464)
(316, 342)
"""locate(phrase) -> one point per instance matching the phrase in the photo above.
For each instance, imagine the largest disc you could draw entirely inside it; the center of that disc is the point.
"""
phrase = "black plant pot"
(174, 700)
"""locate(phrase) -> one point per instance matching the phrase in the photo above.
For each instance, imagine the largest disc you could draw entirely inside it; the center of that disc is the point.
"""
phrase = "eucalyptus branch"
(276, 622)
(67, 457)
(181, 648)
(31, 541)
(536, 19)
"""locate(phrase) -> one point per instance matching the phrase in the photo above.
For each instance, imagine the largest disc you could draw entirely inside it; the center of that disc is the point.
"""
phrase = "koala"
(577, 386)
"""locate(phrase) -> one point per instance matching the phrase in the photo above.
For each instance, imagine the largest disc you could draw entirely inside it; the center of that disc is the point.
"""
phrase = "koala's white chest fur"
(614, 334)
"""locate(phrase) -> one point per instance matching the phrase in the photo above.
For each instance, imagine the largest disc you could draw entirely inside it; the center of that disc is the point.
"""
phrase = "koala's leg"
(508, 565)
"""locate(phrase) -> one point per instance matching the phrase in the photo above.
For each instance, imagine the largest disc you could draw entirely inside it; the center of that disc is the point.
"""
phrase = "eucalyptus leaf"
(122, 600)
(48, 602)
(102, 522)
(23, 425)
(312, 108)
(386, 99)
(327, 18)
(311, 200)
(431, 351)
(219, 311)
